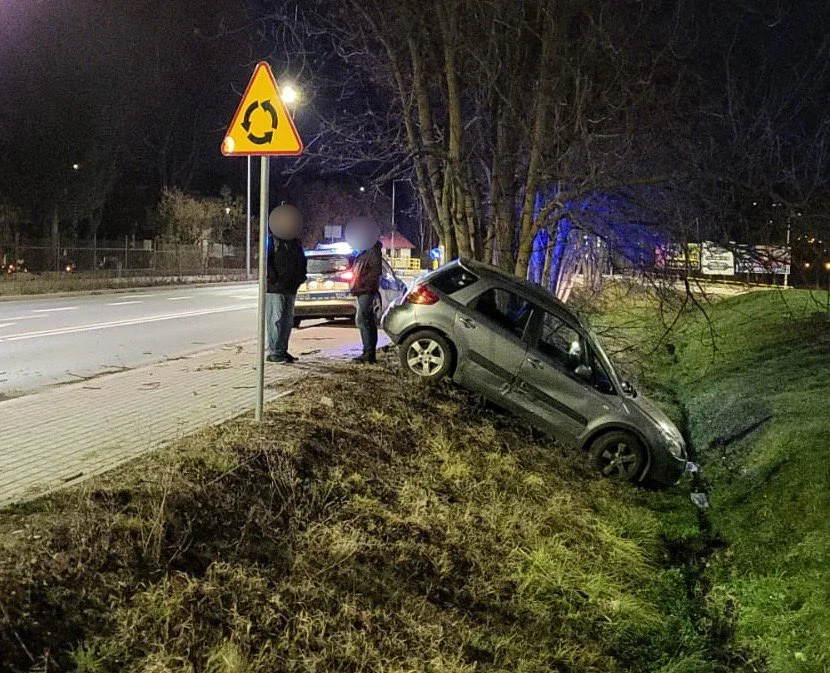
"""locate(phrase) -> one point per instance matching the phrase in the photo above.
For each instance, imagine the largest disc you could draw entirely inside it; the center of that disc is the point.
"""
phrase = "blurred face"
(362, 233)
(285, 222)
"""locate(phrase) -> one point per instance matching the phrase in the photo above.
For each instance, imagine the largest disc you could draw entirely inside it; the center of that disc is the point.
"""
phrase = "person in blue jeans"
(367, 269)
(287, 268)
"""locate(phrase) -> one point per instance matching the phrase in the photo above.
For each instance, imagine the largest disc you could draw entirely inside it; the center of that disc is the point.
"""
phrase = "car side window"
(560, 342)
(600, 379)
(506, 309)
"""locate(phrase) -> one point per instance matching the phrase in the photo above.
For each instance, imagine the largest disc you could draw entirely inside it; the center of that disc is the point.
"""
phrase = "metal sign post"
(263, 243)
(261, 127)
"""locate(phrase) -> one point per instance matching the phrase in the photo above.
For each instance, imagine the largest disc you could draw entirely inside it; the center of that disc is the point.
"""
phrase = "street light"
(75, 167)
(289, 94)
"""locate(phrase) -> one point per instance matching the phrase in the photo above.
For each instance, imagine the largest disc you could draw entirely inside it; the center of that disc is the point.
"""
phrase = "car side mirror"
(584, 371)
(627, 388)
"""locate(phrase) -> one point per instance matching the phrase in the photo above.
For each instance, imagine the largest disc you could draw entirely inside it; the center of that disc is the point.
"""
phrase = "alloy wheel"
(425, 357)
(619, 460)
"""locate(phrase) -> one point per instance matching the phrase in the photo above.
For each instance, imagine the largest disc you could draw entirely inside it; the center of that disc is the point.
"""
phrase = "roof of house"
(401, 242)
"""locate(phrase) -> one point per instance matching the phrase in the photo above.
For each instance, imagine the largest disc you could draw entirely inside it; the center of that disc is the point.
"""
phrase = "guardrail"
(404, 263)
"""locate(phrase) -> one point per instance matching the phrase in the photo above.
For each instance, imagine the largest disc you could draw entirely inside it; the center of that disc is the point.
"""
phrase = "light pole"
(392, 243)
(248, 225)
(827, 269)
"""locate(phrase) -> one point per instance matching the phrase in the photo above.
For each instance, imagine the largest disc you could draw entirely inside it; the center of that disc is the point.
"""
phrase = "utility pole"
(788, 254)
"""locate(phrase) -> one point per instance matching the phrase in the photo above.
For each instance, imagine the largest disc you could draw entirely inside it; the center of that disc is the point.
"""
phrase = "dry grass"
(398, 530)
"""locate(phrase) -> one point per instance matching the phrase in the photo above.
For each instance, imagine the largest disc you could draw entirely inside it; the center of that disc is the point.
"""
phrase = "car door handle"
(468, 323)
(536, 364)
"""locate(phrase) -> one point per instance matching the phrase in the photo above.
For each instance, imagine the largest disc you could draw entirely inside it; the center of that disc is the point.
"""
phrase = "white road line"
(133, 296)
(121, 323)
(122, 303)
(23, 317)
(52, 310)
(7, 324)
(177, 298)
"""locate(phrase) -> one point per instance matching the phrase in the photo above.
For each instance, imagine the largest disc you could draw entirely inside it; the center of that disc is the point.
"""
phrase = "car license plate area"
(322, 296)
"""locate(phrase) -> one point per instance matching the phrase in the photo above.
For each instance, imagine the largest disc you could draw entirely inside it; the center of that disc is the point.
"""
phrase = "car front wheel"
(619, 455)
(427, 355)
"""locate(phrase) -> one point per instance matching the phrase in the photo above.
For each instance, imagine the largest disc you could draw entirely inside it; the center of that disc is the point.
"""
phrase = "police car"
(325, 294)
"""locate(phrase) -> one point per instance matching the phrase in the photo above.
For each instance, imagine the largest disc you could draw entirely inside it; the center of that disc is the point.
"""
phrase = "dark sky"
(144, 89)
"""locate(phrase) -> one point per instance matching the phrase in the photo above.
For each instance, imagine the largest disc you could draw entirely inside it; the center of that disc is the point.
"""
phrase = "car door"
(563, 400)
(489, 333)
(391, 287)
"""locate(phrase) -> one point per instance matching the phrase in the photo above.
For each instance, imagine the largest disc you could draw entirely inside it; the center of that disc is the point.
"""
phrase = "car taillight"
(346, 275)
(421, 294)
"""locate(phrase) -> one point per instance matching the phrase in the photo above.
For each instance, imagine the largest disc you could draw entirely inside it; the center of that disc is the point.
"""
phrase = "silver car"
(526, 352)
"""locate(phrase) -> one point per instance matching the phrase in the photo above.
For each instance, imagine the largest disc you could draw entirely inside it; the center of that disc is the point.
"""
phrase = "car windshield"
(327, 264)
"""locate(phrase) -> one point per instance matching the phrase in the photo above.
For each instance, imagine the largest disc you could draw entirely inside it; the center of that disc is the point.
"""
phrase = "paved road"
(46, 341)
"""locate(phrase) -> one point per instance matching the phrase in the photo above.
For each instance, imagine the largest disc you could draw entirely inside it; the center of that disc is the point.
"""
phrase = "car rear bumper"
(327, 308)
(397, 320)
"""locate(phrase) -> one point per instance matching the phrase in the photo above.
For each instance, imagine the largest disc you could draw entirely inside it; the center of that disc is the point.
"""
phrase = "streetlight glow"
(289, 94)
(75, 167)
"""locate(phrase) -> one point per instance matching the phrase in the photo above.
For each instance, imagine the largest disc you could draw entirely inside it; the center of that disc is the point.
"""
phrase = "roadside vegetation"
(750, 382)
(368, 526)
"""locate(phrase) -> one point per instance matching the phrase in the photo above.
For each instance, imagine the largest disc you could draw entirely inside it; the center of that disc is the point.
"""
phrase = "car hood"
(650, 409)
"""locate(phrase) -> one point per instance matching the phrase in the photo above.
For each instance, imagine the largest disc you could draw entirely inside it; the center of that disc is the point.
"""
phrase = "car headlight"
(674, 440)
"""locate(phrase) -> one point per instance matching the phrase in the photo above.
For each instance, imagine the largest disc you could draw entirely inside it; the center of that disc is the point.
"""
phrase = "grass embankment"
(24, 285)
(369, 525)
(753, 381)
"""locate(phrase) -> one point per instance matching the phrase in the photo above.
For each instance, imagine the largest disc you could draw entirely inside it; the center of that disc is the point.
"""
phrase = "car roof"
(532, 291)
(325, 253)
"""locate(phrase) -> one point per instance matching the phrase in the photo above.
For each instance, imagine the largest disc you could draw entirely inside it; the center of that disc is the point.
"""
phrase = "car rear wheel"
(428, 355)
(619, 455)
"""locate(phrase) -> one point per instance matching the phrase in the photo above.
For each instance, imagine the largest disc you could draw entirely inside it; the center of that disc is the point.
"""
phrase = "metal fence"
(126, 258)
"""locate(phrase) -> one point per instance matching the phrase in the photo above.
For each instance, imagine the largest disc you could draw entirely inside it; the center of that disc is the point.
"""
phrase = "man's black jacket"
(367, 269)
(287, 266)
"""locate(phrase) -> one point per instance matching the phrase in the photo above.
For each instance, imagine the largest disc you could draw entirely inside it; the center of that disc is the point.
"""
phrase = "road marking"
(121, 323)
(7, 324)
(52, 310)
(177, 298)
(23, 317)
(122, 303)
(142, 295)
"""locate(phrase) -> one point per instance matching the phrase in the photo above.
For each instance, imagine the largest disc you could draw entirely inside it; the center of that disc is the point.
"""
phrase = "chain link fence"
(126, 258)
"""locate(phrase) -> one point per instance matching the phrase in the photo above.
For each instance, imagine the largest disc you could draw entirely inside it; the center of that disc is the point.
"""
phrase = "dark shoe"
(290, 357)
(366, 359)
(279, 359)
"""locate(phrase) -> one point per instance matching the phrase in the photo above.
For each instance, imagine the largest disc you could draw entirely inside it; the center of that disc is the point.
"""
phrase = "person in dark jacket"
(367, 268)
(287, 268)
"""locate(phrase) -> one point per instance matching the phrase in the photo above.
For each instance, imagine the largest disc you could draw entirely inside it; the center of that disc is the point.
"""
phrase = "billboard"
(716, 261)
(678, 257)
(761, 259)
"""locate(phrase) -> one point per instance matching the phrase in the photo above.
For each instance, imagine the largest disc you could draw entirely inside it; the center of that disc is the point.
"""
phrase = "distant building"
(398, 249)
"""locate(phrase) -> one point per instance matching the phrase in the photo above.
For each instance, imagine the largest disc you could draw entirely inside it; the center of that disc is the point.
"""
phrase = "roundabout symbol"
(268, 136)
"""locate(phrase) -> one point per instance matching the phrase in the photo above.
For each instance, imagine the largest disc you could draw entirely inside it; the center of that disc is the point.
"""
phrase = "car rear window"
(328, 264)
(453, 280)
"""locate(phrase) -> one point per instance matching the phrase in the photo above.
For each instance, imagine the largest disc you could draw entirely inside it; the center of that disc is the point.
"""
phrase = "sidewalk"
(68, 433)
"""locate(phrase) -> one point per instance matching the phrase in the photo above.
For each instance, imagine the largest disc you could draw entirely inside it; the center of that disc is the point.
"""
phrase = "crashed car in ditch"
(525, 351)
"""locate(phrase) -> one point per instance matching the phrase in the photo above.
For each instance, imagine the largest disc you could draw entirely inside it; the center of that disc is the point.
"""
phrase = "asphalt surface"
(46, 341)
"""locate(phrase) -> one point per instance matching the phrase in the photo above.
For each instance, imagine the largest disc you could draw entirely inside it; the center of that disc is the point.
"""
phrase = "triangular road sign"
(262, 125)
